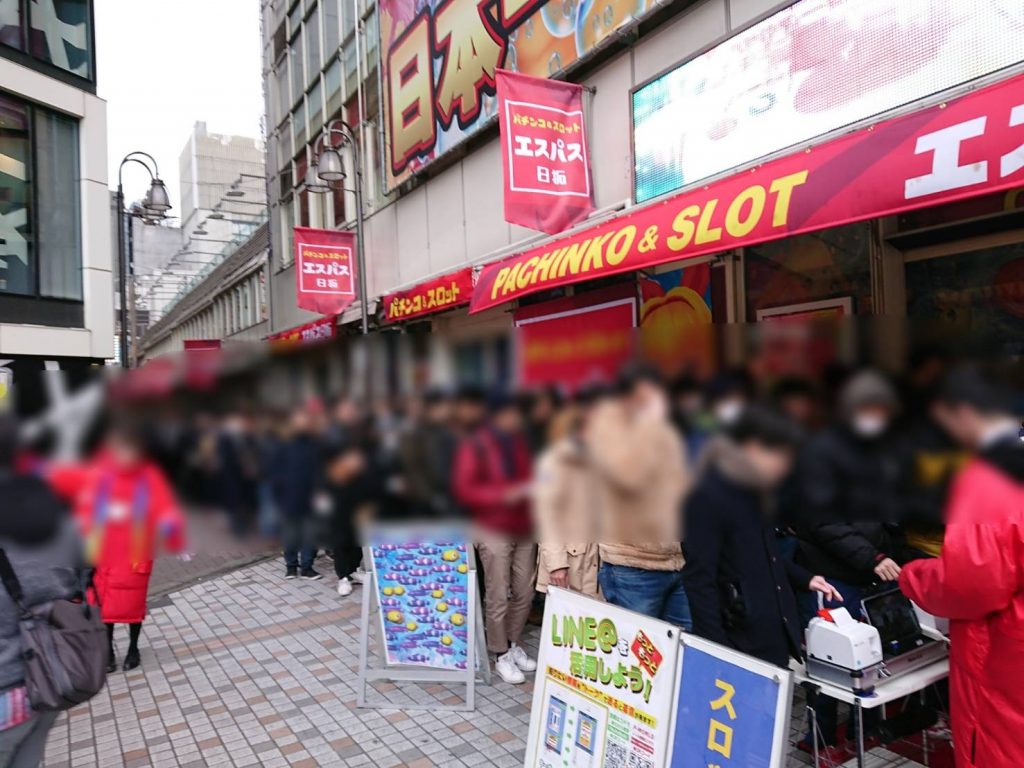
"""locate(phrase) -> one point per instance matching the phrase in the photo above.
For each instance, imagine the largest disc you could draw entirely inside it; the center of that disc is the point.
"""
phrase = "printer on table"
(861, 655)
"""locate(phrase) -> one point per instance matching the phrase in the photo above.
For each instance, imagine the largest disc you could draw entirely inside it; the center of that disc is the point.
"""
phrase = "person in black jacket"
(850, 512)
(293, 478)
(45, 551)
(741, 588)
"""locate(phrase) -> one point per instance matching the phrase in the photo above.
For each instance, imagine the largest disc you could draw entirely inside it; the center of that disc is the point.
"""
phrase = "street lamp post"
(329, 167)
(155, 205)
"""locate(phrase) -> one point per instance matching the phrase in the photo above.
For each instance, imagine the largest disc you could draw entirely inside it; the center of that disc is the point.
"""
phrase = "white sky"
(162, 66)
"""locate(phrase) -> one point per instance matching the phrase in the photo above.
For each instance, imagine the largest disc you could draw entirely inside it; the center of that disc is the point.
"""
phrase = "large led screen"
(808, 70)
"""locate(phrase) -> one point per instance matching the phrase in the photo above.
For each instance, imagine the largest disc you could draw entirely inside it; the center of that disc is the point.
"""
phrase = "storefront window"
(10, 25)
(40, 248)
(59, 34)
(832, 264)
(977, 296)
(16, 274)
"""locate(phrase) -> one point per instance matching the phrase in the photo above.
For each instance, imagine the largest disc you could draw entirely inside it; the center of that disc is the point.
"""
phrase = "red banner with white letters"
(310, 333)
(325, 270)
(437, 295)
(966, 147)
(544, 152)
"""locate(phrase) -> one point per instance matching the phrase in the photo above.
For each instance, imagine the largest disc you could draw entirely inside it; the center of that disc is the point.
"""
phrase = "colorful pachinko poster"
(423, 588)
(604, 689)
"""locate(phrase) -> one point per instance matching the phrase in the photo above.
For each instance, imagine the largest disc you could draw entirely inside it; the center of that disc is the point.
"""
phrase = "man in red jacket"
(978, 580)
(491, 480)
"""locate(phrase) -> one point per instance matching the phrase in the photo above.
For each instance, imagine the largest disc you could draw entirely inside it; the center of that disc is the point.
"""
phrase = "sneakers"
(310, 575)
(291, 573)
(524, 662)
(508, 671)
(358, 576)
(344, 587)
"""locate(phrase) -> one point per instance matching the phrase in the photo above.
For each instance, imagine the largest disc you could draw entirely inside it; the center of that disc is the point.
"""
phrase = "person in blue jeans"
(640, 479)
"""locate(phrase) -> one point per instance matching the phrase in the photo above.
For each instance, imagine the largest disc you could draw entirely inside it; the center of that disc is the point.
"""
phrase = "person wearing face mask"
(741, 588)
(726, 395)
(124, 507)
(848, 515)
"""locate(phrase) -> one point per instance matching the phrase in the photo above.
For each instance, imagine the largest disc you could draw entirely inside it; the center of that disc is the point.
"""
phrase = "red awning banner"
(310, 333)
(970, 146)
(544, 152)
(431, 296)
(325, 272)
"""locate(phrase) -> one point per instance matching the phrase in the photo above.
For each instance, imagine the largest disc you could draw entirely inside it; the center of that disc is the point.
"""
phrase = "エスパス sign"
(325, 279)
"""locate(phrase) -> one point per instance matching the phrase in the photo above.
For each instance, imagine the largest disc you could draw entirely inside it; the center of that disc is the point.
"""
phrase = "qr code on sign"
(639, 761)
(616, 756)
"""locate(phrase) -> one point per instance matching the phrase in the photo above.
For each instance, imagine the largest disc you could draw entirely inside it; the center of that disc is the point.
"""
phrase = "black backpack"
(65, 644)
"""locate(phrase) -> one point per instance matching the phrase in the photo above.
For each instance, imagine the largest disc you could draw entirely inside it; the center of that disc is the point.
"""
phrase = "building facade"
(56, 287)
(680, 96)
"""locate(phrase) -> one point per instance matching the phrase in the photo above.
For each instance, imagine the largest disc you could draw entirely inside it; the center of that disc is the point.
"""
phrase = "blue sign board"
(725, 715)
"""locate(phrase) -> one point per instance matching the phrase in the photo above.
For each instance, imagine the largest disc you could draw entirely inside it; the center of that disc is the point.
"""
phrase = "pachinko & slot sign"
(967, 147)
(604, 688)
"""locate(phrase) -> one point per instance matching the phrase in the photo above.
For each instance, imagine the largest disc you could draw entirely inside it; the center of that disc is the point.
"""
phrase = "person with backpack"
(39, 541)
(124, 507)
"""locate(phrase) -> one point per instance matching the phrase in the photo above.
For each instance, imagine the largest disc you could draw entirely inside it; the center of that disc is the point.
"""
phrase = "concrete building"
(56, 287)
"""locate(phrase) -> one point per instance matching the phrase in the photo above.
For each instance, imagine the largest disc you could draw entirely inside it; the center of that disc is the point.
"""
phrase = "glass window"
(831, 264)
(298, 78)
(284, 145)
(59, 34)
(295, 19)
(312, 36)
(315, 109)
(351, 70)
(10, 24)
(57, 181)
(372, 39)
(348, 19)
(332, 27)
(332, 83)
(284, 102)
(299, 128)
(16, 257)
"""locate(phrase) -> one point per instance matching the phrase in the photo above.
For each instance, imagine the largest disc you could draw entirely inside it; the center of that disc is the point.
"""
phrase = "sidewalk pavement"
(248, 669)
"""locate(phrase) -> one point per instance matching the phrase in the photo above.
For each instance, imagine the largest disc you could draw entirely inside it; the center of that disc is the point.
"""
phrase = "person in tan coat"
(563, 506)
(640, 481)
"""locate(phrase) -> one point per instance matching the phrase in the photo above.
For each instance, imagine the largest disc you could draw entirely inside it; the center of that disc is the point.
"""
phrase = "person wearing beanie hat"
(848, 512)
(978, 579)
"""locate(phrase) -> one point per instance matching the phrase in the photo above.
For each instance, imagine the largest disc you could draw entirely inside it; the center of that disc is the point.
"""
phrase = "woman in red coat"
(978, 580)
(123, 505)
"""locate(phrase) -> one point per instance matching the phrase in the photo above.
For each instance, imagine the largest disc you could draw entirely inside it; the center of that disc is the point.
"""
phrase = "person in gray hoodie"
(44, 549)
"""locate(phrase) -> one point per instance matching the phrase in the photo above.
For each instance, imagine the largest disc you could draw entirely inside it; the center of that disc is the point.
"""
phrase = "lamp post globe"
(330, 166)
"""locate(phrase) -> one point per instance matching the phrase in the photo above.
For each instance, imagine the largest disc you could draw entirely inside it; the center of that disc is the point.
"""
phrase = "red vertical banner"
(544, 152)
(325, 280)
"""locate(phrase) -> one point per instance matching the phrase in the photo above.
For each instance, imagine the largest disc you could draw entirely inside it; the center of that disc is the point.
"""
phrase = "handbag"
(65, 645)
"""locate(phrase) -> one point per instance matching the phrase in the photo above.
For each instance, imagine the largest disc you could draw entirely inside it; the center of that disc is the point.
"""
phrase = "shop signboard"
(732, 710)
(441, 293)
(325, 279)
(577, 340)
(440, 62)
(605, 685)
(964, 148)
(423, 591)
(808, 70)
(309, 333)
(544, 152)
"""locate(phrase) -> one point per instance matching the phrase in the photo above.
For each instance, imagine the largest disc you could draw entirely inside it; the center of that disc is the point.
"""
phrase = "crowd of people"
(729, 509)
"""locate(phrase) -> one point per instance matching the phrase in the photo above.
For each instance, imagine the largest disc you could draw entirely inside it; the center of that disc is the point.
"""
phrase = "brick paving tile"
(247, 669)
